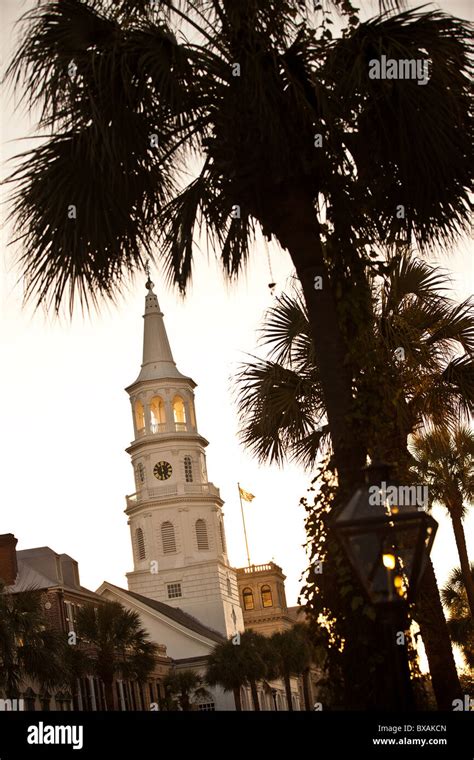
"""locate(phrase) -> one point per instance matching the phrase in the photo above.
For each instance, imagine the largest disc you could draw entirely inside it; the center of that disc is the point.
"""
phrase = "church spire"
(158, 360)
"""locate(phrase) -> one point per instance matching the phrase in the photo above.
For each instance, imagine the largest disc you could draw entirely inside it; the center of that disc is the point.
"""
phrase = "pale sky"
(66, 420)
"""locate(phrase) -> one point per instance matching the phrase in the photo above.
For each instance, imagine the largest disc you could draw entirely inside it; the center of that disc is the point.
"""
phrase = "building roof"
(191, 660)
(30, 578)
(176, 614)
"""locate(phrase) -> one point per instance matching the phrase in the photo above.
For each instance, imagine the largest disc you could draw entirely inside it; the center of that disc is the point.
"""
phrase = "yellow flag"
(245, 495)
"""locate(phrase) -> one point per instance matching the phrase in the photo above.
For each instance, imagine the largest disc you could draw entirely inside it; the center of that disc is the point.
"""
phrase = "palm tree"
(282, 409)
(444, 460)
(28, 648)
(293, 655)
(184, 683)
(280, 399)
(316, 639)
(116, 643)
(129, 100)
(233, 665)
(460, 623)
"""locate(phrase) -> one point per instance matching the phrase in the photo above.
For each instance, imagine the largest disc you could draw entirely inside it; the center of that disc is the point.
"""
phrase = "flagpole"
(243, 521)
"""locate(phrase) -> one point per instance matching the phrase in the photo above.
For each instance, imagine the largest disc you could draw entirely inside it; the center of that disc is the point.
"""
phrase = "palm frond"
(412, 142)
(277, 409)
(286, 330)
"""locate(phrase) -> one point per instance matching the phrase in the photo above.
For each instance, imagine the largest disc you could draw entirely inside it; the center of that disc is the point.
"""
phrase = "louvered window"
(168, 538)
(188, 470)
(140, 539)
(201, 535)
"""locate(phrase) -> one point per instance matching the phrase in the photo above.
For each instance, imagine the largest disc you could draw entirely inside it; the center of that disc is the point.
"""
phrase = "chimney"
(8, 564)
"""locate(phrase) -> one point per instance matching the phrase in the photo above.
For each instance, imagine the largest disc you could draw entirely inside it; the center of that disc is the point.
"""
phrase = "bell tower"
(175, 515)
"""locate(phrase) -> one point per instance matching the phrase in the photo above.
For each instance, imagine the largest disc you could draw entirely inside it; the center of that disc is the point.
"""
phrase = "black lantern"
(387, 536)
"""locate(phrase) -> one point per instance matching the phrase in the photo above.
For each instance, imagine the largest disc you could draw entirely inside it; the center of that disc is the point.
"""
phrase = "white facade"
(175, 516)
(184, 642)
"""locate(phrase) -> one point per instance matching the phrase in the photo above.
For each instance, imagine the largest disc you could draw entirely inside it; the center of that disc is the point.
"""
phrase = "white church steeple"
(158, 360)
(175, 515)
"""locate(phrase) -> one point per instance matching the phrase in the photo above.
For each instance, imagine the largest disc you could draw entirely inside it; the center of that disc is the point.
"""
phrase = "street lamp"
(387, 538)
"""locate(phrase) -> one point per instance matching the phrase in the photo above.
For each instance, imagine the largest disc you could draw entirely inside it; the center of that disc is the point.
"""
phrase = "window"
(139, 416)
(168, 538)
(267, 599)
(179, 413)
(207, 707)
(247, 595)
(188, 470)
(45, 701)
(222, 535)
(158, 417)
(174, 590)
(70, 616)
(229, 587)
(140, 543)
(201, 535)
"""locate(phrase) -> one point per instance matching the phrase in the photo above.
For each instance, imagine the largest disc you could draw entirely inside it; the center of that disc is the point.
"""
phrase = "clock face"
(162, 470)
(141, 472)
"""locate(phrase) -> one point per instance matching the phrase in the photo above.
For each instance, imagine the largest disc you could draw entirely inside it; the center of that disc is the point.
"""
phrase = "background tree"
(460, 623)
(444, 460)
(184, 684)
(293, 657)
(29, 649)
(233, 665)
(117, 645)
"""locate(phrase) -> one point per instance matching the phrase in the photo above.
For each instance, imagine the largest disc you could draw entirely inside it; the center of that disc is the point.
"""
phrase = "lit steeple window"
(139, 416)
(158, 417)
(179, 413)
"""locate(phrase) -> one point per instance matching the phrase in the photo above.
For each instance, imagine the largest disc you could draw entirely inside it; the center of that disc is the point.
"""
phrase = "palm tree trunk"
(237, 699)
(306, 690)
(287, 681)
(294, 222)
(463, 556)
(253, 689)
(434, 632)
